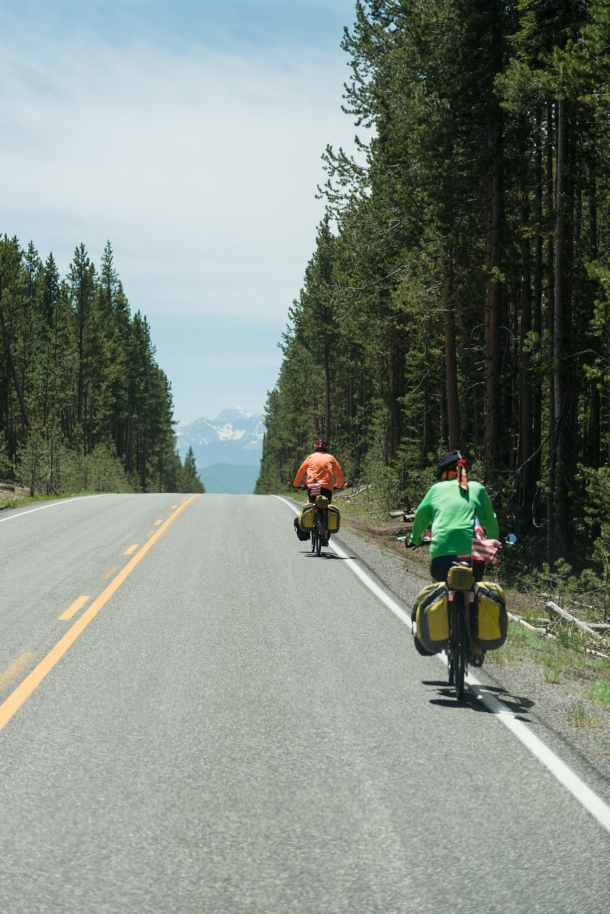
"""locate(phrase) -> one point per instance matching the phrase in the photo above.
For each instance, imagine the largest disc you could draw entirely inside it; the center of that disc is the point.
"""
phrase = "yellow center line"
(14, 670)
(131, 549)
(157, 522)
(74, 608)
(20, 695)
(110, 573)
(150, 533)
(174, 507)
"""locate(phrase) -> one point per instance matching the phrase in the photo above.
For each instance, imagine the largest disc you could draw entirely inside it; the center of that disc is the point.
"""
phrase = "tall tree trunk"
(443, 413)
(451, 375)
(537, 306)
(493, 305)
(560, 384)
(525, 393)
(394, 393)
(326, 391)
(550, 197)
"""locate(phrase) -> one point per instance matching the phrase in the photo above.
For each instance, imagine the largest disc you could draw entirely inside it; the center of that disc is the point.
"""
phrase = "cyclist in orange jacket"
(322, 469)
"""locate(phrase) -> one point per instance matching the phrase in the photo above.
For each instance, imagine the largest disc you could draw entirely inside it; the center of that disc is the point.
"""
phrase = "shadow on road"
(519, 706)
(327, 555)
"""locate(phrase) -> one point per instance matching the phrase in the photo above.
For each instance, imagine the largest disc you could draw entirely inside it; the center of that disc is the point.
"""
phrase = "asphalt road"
(243, 727)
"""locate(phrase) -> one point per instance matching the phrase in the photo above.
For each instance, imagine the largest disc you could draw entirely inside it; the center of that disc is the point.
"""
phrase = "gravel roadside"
(551, 709)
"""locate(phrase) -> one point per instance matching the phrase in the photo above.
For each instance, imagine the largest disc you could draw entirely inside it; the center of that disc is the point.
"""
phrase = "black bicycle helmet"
(450, 462)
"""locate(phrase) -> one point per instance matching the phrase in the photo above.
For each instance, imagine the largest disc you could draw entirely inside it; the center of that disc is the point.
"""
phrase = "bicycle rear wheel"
(460, 651)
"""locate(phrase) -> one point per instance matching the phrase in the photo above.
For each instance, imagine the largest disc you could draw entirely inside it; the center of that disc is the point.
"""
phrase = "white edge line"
(562, 772)
(64, 501)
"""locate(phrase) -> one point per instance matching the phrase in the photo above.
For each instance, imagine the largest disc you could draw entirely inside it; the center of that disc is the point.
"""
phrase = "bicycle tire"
(319, 535)
(460, 654)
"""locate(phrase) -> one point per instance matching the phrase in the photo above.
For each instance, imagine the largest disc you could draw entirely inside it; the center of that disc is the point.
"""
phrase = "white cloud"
(200, 166)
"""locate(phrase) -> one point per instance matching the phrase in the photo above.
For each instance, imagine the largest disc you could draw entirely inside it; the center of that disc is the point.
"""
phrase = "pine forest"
(83, 403)
(458, 293)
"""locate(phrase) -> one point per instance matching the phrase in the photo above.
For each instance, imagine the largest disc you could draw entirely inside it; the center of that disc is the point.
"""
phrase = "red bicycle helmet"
(320, 445)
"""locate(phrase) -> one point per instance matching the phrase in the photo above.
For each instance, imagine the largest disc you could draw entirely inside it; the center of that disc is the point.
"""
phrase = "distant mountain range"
(226, 445)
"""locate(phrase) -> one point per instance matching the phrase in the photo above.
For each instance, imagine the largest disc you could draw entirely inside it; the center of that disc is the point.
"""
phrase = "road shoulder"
(549, 708)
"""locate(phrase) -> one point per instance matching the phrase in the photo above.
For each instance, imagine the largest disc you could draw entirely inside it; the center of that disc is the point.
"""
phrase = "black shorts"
(440, 565)
(328, 493)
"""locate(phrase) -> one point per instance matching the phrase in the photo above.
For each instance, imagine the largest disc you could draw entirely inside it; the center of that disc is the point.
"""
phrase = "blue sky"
(190, 135)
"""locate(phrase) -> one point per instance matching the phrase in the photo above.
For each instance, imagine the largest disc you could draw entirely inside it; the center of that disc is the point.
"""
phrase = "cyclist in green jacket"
(451, 506)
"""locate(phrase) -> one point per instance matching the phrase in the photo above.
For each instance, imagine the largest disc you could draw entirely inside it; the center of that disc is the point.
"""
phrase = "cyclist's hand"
(289, 482)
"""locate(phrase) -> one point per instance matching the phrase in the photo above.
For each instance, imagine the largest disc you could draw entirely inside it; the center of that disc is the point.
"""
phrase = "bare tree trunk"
(350, 406)
(537, 306)
(451, 376)
(550, 196)
(559, 375)
(327, 391)
(525, 393)
(394, 392)
(493, 307)
(443, 413)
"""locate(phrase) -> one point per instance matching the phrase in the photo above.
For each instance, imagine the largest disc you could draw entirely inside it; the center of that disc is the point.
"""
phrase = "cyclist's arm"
(300, 473)
(339, 474)
(423, 519)
(487, 516)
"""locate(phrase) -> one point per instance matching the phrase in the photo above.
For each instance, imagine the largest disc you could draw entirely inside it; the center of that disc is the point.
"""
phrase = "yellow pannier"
(432, 617)
(489, 617)
(334, 519)
(306, 518)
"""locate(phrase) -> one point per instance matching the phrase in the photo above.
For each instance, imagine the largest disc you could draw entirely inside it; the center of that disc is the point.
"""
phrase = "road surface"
(229, 724)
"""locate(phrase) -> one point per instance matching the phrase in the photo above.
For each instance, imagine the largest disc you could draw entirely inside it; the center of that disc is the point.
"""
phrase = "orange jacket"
(322, 468)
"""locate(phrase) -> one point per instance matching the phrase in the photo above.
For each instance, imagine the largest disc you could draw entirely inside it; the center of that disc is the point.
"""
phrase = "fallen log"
(589, 650)
(555, 610)
(520, 621)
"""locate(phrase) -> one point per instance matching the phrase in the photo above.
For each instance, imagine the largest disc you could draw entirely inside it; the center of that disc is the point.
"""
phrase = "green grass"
(579, 716)
(600, 692)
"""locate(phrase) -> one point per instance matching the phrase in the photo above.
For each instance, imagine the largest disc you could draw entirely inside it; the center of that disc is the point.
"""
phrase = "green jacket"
(451, 512)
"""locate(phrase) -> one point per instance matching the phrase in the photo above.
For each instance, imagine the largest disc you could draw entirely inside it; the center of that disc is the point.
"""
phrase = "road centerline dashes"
(74, 608)
(20, 695)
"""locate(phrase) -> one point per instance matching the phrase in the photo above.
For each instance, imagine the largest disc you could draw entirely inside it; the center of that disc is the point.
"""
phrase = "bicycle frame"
(319, 531)
(458, 649)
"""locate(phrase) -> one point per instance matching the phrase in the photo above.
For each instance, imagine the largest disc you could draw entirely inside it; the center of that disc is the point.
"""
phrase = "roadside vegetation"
(458, 291)
(568, 658)
(84, 406)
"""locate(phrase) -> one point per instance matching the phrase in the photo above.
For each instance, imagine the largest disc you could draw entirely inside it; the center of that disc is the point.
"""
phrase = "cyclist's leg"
(440, 565)
(478, 569)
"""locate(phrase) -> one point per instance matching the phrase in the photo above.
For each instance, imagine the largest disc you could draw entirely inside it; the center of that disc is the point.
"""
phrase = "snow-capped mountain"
(234, 436)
